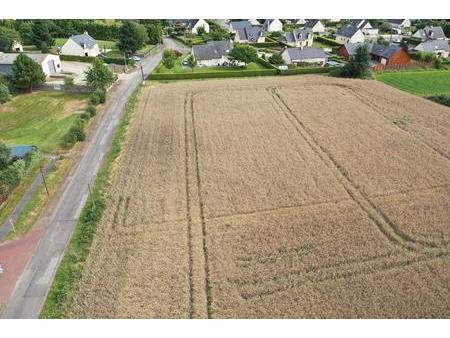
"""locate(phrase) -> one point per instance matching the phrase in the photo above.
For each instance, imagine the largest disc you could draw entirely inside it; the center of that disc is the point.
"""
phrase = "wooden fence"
(412, 65)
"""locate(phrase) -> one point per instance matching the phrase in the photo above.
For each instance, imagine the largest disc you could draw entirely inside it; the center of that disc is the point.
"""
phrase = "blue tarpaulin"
(21, 151)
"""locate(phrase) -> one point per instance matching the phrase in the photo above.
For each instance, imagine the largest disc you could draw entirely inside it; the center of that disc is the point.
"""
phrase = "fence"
(412, 65)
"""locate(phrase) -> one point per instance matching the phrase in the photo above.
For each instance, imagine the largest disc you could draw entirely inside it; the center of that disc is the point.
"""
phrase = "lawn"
(419, 82)
(179, 68)
(40, 118)
(116, 53)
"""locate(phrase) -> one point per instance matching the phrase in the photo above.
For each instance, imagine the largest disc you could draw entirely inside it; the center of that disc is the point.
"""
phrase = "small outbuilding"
(50, 63)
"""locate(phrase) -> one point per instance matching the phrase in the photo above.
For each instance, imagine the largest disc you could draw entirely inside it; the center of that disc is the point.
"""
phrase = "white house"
(254, 22)
(273, 25)
(299, 22)
(214, 53)
(305, 55)
(430, 33)
(439, 47)
(81, 45)
(50, 63)
(299, 38)
(194, 25)
(316, 26)
(399, 23)
(349, 34)
(17, 47)
(365, 27)
(250, 34)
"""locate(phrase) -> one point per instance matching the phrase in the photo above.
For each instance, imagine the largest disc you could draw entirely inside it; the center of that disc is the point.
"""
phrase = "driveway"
(77, 68)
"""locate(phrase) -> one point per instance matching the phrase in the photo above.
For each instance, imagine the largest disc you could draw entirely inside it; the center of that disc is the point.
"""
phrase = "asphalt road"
(32, 287)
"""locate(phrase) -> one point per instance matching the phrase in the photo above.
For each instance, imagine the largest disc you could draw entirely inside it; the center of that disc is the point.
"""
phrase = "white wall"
(72, 48)
(51, 59)
(275, 26)
(200, 23)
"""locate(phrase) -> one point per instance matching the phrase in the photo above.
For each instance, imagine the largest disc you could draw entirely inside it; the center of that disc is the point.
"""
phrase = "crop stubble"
(283, 197)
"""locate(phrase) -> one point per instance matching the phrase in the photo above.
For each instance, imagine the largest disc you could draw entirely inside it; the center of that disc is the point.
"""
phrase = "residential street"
(35, 281)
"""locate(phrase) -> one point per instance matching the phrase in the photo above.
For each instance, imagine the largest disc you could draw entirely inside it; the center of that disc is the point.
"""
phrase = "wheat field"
(296, 197)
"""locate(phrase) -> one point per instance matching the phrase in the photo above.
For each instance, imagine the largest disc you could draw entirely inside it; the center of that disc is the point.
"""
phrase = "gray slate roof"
(236, 25)
(9, 58)
(212, 50)
(84, 40)
(374, 49)
(297, 35)
(306, 53)
(396, 21)
(311, 23)
(348, 31)
(191, 23)
(251, 33)
(433, 45)
(358, 22)
(430, 32)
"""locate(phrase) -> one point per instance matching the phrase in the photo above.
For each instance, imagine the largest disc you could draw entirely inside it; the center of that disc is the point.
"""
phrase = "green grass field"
(40, 118)
(179, 68)
(420, 82)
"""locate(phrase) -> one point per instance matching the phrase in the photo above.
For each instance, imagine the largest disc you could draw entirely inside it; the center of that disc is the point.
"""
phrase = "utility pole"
(142, 72)
(12, 225)
(43, 178)
(125, 61)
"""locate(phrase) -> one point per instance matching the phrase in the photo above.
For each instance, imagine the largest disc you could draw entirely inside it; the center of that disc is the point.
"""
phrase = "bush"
(442, 99)
(210, 75)
(97, 97)
(85, 117)
(311, 70)
(91, 110)
(68, 83)
(5, 96)
(276, 59)
(328, 41)
(169, 58)
(75, 134)
(11, 176)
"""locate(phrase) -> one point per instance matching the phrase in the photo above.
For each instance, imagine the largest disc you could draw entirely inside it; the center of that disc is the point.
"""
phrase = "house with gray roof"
(273, 25)
(440, 48)
(299, 38)
(194, 24)
(365, 26)
(304, 55)
(213, 53)
(250, 34)
(430, 33)
(399, 23)
(316, 25)
(380, 54)
(349, 34)
(236, 25)
(81, 45)
(50, 63)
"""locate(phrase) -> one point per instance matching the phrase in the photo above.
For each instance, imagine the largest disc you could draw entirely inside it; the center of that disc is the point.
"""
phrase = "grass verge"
(70, 270)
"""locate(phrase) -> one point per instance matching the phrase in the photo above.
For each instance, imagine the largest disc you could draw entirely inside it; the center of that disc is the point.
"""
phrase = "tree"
(169, 58)
(382, 41)
(99, 76)
(26, 73)
(133, 36)
(191, 61)
(384, 27)
(243, 53)
(218, 33)
(358, 67)
(276, 59)
(41, 34)
(154, 32)
(5, 156)
(26, 32)
(201, 31)
(5, 96)
(7, 38)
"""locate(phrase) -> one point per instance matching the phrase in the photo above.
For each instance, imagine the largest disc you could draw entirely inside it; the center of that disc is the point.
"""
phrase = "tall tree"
(358, 66)
(7, 38)
(5, 156)
(133, 36)
(5, 96)
(41, 34)
(99, 76)
(26, 73)
(154, 31)
(243, 53)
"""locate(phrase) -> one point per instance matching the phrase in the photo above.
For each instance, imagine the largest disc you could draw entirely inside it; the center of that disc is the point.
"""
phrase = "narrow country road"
(34, 284)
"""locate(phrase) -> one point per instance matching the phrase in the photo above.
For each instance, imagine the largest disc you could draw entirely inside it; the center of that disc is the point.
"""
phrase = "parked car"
(135, 58)
(334, 64)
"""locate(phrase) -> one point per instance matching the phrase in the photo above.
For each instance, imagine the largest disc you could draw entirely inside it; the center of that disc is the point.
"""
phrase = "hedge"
(312, 70)
(265, 44)
(78, 58)
(328, 41)
(265, 63)
(411, 40)
(210, 75)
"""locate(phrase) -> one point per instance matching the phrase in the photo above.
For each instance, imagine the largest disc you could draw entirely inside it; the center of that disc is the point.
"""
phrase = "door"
(51, 67)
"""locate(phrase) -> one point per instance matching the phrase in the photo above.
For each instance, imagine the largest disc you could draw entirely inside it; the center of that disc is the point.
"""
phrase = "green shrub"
(76, 58)
(211, 75)
(441, 98)
(11, 176)
(74, 135)
(85, 117)
(5, 96)
(91, 110)
(97, 97)
(276, 59)
(310, 70)
(327, 41)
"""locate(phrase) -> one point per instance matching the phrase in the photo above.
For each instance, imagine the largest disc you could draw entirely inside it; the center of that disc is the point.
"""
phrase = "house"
(254, 22)
(299, 22)
(349, 34)
(51, 64)
(315, 25)
(250, 34)
(304, 55)
(213, 53)
(17, 47)
(364, 26)
(81, 45)
(389, 55)
(193, 25)
(299, 38)
(385, 55)
(235, 25)
(439, 47)
(399, 23)
(430, 33)
(273, 25)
